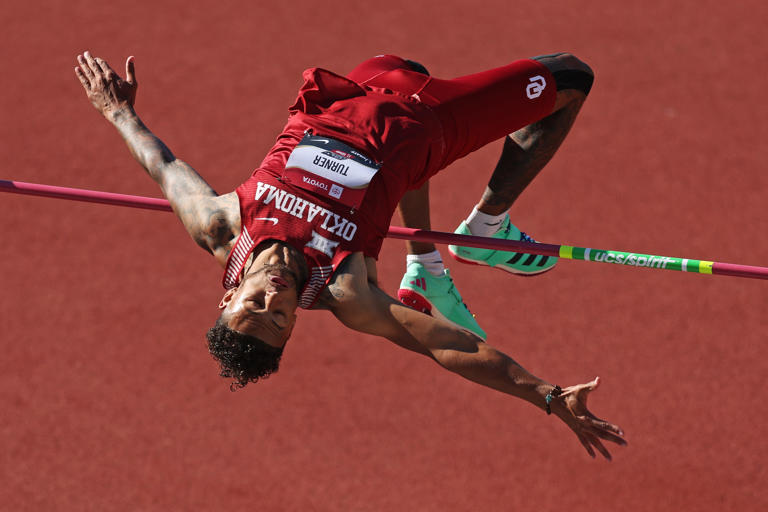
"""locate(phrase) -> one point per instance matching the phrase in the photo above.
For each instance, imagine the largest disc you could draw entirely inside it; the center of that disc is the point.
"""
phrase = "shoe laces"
(456, 295)
(524, 237)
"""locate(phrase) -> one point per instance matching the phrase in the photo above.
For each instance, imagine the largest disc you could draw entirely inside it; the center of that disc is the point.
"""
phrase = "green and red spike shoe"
(514, 262)
(436, 296)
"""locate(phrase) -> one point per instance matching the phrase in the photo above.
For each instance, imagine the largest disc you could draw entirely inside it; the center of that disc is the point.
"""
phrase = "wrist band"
(555, 392)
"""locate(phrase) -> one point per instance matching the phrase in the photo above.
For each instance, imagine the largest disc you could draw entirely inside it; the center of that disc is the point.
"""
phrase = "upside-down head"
(257, 318)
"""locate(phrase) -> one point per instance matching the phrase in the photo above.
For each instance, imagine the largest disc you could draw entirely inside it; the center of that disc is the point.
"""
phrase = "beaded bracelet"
(554, 393)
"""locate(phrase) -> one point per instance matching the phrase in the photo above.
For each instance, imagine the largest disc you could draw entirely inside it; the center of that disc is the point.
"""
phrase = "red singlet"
(414, 125)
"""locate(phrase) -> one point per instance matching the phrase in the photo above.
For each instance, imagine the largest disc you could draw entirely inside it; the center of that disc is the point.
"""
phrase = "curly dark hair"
(241, 357)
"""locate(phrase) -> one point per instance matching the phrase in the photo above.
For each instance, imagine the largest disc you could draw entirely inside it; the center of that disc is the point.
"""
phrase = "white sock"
(432, 261)
(482, 224)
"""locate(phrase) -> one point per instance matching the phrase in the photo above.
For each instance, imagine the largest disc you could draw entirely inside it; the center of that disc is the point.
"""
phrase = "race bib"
(330, 168)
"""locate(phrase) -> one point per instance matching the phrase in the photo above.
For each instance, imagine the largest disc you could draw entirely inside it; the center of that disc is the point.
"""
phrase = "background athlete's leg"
(525, 153)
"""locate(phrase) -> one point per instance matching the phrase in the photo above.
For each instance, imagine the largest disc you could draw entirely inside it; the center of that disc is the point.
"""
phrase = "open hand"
(107, 91)
(572, 409)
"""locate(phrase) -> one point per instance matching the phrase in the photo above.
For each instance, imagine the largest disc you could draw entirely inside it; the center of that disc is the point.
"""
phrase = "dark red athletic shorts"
(473, 110)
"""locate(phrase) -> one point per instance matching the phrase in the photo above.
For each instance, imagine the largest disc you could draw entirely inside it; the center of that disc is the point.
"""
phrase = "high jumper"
(305, 229)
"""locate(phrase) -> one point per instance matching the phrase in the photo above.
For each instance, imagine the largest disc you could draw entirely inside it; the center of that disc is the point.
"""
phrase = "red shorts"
(473, 110)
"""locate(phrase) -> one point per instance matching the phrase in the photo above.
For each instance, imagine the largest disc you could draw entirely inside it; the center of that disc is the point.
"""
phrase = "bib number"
(330, 168)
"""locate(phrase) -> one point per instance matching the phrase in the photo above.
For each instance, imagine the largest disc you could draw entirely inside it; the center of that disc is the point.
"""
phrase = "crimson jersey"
(272, 210)
(411, 124)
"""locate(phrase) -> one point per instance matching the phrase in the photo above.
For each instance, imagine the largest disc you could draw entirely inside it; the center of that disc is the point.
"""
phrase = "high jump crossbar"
(560, 251)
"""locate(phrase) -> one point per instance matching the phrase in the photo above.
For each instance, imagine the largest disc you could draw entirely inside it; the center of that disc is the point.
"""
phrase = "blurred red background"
(110, 400)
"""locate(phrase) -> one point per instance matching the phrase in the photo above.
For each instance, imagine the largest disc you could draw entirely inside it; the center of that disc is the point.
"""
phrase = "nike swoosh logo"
(324, 141)
(271, 219)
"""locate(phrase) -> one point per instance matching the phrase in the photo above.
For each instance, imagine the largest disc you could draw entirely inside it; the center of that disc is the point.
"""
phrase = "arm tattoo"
(207, 220)
(174, 176)
(144, 146)
(336, 290)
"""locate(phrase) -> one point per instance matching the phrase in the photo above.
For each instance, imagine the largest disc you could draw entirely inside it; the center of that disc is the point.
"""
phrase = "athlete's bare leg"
(427, 285)
(414, 212)
(525, 153)
(528, 150)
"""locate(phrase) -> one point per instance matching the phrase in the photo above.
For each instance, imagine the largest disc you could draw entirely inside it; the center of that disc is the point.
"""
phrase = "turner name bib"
(330, 168)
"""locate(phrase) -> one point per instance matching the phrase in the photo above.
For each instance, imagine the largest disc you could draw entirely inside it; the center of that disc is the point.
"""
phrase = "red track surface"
(110, 401)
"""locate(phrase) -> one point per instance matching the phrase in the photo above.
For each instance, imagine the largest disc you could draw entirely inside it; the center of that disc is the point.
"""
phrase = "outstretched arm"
(363, 307)
(211, 220)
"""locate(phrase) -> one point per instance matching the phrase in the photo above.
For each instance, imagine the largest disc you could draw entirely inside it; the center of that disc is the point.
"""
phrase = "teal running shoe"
(515, 262)
(436, 296)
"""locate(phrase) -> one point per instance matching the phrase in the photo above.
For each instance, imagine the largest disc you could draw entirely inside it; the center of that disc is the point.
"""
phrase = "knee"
(569, 71)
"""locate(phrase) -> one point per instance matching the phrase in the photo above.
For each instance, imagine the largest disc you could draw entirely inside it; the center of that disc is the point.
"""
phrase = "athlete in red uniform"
(305, 229)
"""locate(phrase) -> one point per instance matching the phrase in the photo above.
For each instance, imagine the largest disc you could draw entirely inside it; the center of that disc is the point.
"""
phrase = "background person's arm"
(211, 220)
(364, 307)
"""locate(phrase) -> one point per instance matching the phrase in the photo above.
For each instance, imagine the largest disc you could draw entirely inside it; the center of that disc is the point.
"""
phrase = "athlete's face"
(264, 305)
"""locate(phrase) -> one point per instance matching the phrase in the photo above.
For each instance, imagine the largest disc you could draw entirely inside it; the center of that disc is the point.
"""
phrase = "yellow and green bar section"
(636, 260)
(630, 259)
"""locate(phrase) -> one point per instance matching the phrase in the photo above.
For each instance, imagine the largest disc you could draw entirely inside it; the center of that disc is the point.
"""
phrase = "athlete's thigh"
(477, 109)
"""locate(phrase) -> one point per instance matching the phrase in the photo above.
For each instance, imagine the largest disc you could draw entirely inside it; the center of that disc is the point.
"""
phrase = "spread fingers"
(92, 64)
